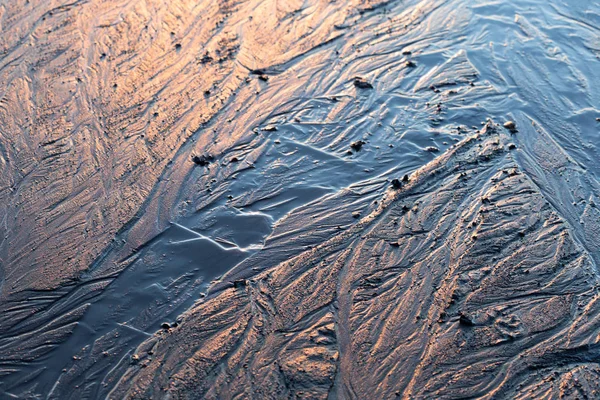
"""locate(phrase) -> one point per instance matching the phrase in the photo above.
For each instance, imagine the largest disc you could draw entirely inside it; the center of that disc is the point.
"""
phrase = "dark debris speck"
(362, 83)
(357, 145)
(202, 160)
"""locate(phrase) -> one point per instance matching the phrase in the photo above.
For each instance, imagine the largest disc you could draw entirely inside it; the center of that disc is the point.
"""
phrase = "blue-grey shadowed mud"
(299, 199)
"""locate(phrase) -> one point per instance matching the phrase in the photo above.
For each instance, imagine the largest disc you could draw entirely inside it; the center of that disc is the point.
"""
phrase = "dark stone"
(357, 145)
(361, 83)
(465, 320)
(240, 283)
(202, 160)
(511, 126)
(206, 58)
(396, 184)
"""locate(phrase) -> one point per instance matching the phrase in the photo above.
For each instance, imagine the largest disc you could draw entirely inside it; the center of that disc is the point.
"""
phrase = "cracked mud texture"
(205, 199)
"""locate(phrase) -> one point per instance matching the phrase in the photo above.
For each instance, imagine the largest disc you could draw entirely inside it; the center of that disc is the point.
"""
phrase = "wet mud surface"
(299, 199)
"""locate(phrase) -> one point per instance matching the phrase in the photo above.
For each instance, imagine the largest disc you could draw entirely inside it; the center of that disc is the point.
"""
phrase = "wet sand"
(220, 199)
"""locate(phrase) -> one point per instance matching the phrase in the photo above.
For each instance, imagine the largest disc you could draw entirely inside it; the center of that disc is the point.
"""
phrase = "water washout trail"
(496, 60)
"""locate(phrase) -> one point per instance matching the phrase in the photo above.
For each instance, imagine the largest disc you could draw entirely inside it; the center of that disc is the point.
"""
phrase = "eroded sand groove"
(465, 283)
(481, 283)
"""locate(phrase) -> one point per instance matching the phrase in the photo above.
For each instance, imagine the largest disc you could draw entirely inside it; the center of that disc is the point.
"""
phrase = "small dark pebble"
(410, 64)
(178, 46)
(203, 160)
(395, 244)
(263, 78)
(355, 215)
(166, 325)
(512, 146)
(206, 58)
(465, 320)
(396, 183)
(511, 126)
(432, 149)
(240, 283)
(357, 145)
(405, 178)
(234, 159)
(361, 83)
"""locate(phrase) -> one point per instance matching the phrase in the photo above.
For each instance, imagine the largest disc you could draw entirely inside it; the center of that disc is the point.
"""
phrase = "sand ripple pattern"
(292, 266)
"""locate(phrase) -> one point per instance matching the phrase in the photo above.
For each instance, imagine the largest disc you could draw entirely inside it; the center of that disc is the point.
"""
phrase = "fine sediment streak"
(226, 167)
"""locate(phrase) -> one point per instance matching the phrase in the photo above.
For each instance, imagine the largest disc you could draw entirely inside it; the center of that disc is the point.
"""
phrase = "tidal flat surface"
(299, 199)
